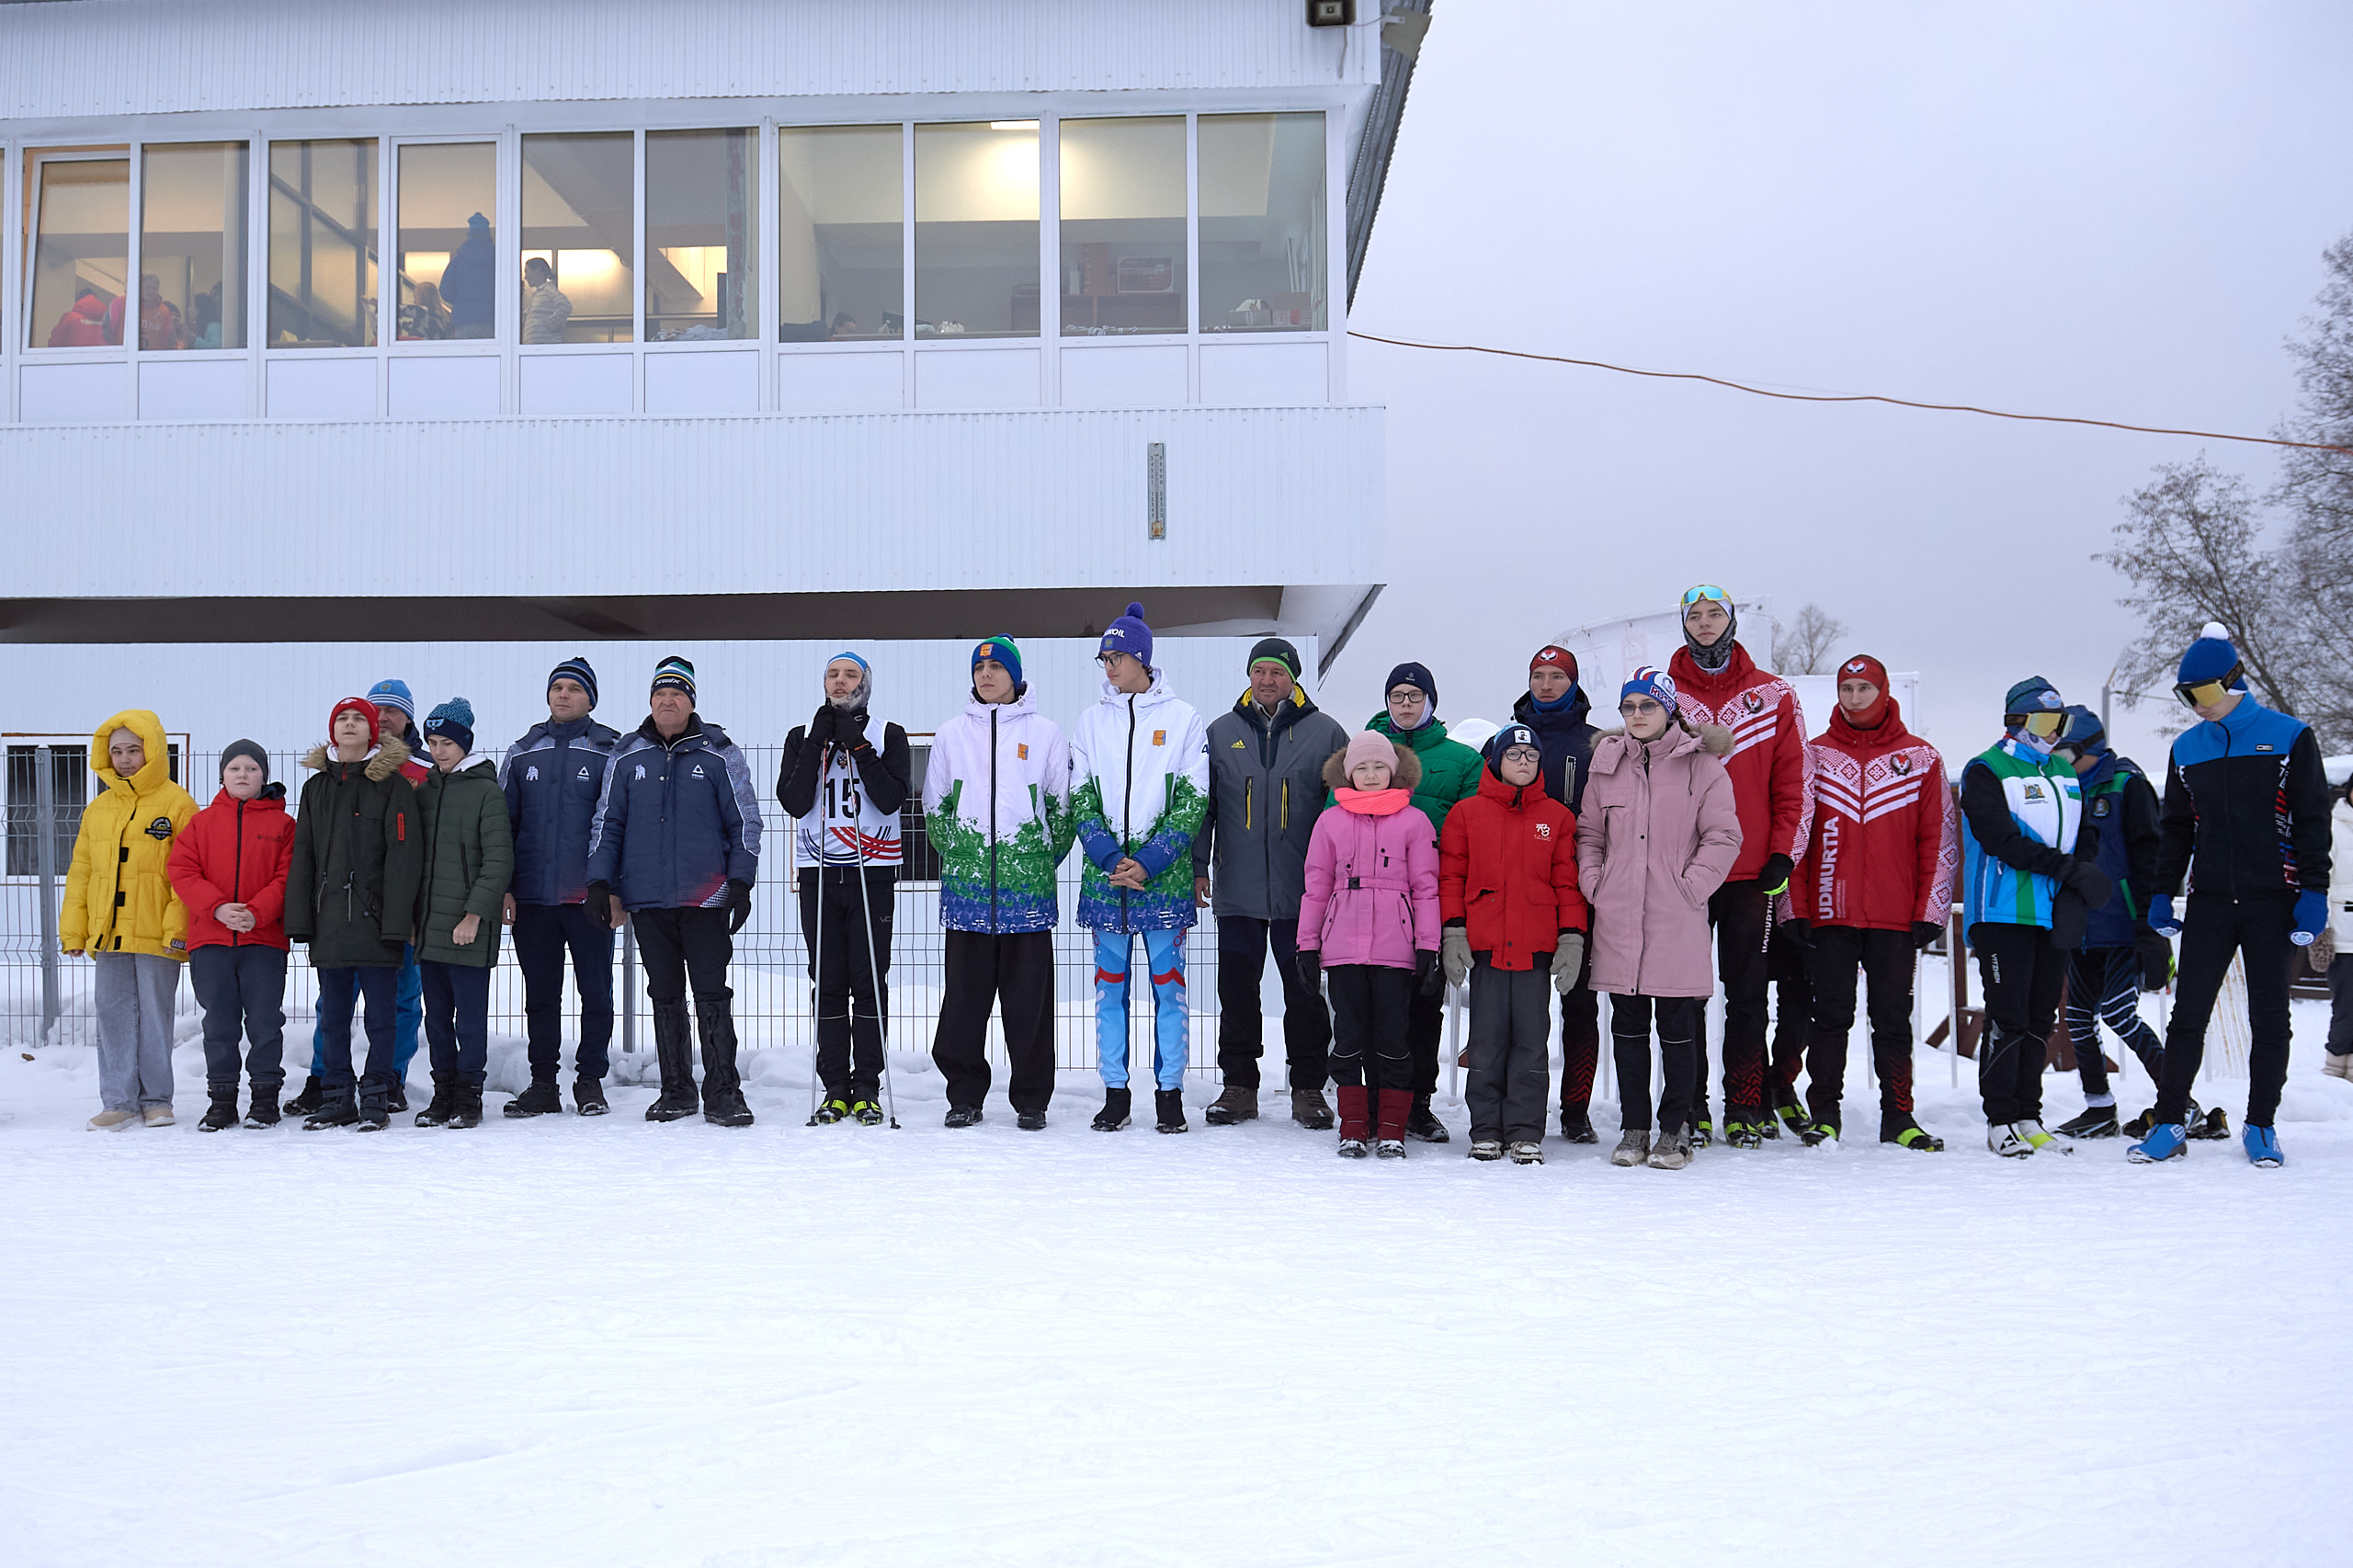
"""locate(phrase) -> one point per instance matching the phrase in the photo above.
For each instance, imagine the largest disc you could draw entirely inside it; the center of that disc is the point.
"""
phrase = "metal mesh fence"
(773, 1000)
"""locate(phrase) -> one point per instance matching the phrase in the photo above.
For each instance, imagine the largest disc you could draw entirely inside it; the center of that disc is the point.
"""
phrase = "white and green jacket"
(1139, 776)
(996, 807)
(2021, 819)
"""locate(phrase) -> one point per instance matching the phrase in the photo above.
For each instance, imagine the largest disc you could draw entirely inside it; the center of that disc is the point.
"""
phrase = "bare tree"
(2315, 490)
(1804, 646)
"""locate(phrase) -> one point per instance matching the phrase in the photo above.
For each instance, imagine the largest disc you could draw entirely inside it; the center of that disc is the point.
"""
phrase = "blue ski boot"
(2167, 1140)
(2263, 1147)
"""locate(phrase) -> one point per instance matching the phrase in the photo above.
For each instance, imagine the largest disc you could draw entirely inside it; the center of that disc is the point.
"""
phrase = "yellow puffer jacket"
(118, 898)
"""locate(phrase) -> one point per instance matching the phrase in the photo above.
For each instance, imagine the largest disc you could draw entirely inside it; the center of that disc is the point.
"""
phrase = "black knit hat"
(1280, 651)
(236, 749)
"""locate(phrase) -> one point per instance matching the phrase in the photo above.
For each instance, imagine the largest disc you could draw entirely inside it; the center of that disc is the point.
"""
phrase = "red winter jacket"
(235, 852)
(84, 325)
(1769, 765)
(1508, 870)
(1886, 839)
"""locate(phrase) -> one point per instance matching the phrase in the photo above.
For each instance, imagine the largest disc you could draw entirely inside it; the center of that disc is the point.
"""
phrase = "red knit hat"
(359, 705)
(1560, 659)
(1862, 667)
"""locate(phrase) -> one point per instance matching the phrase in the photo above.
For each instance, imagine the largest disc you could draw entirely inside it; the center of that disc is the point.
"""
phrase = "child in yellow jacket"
(120, 909)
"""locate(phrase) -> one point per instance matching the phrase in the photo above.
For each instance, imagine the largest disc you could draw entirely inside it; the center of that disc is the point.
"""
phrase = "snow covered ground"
(580, 1343)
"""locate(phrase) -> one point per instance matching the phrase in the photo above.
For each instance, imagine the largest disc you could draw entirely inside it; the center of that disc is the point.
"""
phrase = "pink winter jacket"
(1653, 843)
(1371, 879)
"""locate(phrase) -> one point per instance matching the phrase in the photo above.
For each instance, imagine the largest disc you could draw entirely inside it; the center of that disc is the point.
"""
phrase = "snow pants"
(340, 991)
(242, 993)
(1369, 1006)
(1243, 943)
(1885, 960)
(1580, 1039)
(1172, 1016)
(1739, 911)
(135, 993)
(1680, 1059)
(1789, 964)
(1510, 1016)
(1015, 973)
(848, 936)
(404, 1007)
(682, 946)
(1425, 1028)
(2213, 928)
(543, 934)
(2104, 987)
(2022, 973)
(457, 1020)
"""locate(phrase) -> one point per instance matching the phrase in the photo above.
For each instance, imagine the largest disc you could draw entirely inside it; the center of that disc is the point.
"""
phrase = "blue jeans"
(1172, 1018)
(339, 990)
(407, 1007)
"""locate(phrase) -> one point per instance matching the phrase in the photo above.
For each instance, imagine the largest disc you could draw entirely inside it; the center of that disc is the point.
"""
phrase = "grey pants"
(136, 993)
(1511, 1072)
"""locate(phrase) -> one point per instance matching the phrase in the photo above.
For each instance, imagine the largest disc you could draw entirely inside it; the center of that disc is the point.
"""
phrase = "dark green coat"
(351, 892)
(1449, 769)
(469, 861)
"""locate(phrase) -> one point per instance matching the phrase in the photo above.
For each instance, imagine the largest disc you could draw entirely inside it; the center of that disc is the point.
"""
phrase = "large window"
(447, 255)
(703, 231)
(79, 229)
(580, 238)
(1123, 225)
(1264, 265)
(193, 202)
(976, 230)
(841, 273)
(323, 244)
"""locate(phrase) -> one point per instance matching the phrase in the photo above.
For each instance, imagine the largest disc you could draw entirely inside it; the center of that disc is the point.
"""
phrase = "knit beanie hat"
(366, 709)
(2212, 657)
(1369, 745)
(1503, 739)
(2032, 695)
(236, 749)
(453, 720)
(1274, 650)
(1006, 652)
(1652, 682)
(862, 690)
(576, 669)
(1418, 677)
(1556, 657)
(393, 694)
(676, 672)
(1862, 667)
(1128, 635)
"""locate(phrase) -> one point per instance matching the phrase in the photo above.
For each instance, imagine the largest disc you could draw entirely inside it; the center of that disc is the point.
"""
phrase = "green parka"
(469, 861)
(1449, 769)
(359, 858)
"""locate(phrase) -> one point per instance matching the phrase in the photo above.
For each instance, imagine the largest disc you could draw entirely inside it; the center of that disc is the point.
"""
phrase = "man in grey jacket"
(1266, 756)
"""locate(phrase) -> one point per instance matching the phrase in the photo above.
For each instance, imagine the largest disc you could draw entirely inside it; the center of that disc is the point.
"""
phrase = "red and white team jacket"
(1769, 764)
(1886, 844)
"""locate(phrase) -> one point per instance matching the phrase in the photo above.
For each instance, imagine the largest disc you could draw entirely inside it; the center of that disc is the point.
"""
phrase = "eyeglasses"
(2207, 693)
(1523, 754)
(1639, 708)
(1705, 591)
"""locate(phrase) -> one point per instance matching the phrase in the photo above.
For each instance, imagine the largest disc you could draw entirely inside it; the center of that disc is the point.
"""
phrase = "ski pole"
(874, 979)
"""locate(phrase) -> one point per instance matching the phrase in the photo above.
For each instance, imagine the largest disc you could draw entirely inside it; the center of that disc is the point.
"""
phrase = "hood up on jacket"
(391, 753)
(155, 770)
(1407, 773)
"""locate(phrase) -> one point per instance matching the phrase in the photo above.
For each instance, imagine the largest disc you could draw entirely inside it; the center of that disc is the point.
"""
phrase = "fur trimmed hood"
(390, 753)
(1408, 777)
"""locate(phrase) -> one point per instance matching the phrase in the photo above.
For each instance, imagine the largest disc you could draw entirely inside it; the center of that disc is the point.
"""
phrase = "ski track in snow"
(588, 1342)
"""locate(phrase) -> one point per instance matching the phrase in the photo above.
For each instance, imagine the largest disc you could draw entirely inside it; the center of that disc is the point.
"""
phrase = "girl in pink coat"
(1656, 836)
(1368, 921)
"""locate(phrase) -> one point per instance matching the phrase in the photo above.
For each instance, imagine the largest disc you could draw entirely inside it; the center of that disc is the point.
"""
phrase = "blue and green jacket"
(2021, 815)
(2120, 811)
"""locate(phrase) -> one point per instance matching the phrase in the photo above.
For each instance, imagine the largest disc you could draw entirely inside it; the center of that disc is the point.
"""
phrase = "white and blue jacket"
(678, 820)
(2021, 814)
(554, 778)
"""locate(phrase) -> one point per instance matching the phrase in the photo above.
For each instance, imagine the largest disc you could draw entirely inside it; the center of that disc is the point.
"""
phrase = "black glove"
(821, 728)
(739, 905)
(1776, 874)
(1925, 934)
(1799, 929)
(600, 905)
(1311, 968)
(849, 729)
(2155, 954)
(1426, 972)
(2084, 879)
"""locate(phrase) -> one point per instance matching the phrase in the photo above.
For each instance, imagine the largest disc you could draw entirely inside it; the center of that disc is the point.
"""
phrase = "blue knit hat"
(2032, 695)
(1128, 635)
(676, 672)
(1006, 652)
(1418, 677)
(393, 694)
(1652, 682)
(453, 720)
(2212, 657)
(576, 669)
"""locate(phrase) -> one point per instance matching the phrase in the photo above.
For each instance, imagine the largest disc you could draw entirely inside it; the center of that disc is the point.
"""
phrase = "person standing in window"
(87, 323)
(425, 319)
(466, 282)
(545, 307)
(159, 319)
(845, 793)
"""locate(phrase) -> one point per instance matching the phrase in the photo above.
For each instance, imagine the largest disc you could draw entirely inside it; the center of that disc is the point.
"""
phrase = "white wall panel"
(74, 395)
(715, 382)
(193, 388)
(1126, 376)
(577, 383)
(1260, 375)
(444, 388)
(841, 383)
(322, 389)
(977, 378)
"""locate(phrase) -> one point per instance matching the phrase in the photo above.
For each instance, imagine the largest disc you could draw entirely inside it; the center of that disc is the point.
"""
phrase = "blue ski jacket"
(678, 820)
(554, 778)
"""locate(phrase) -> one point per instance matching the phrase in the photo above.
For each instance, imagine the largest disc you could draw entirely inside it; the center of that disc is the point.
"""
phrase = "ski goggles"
(2207, 693)
(1704, 591)
(2042, 725)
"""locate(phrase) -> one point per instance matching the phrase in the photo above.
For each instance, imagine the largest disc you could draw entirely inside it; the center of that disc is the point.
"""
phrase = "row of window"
(658, 236)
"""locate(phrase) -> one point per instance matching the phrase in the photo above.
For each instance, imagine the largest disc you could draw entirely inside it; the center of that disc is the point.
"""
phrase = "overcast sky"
(2109, 210)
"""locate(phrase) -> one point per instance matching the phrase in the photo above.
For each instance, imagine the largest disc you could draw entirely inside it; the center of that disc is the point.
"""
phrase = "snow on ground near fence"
(605, 1342)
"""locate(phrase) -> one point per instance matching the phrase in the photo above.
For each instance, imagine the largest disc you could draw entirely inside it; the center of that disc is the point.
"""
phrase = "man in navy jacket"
(554, 778)
(676, 846)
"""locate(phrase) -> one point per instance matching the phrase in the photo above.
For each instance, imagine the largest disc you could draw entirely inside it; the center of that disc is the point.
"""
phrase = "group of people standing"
(1704, 841)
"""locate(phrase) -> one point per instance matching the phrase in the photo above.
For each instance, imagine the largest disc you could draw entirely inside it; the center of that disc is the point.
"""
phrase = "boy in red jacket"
(1875, 886)
(1514, 923)
(229, 868)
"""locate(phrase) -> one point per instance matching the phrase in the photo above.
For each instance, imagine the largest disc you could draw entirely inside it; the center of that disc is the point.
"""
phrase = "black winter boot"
(1168, 1110)
(442, 1106)
(674, 1053)
(1114, 1114)
(263, 1111)
(1422, 1125)
(396, 1096)
(539, 1100)
(465, 1105)
(375, 1104)
(589, 1097)
(221, 1114)
(336, 1108)
(722, 1090)
(307, 1102)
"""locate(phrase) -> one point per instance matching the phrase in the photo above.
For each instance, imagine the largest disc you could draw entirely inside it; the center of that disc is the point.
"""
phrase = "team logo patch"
(1021, 750)
(698, 772)
(1753, 702)
(1855, 667)
(641, 770)
(160, 829)
(583, 772)
(2099, 807)
(1160, 737)
(1237, 746)
(1899, 764)
(2032, 792)
(1543, 830)
(2263, 745)
(531, 774)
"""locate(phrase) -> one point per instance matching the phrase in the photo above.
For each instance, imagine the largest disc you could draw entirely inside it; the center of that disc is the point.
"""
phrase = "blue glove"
(2161, 915)
(2311, 914)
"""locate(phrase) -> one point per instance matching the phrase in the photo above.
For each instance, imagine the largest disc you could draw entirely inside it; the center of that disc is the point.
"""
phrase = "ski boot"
(1422, 1125)
(2097, 1121)
(1168, 1110)
(539, 1100)
(2038, 1140)
(835, 1107)
(2208, 1127)
(1576, 1125)
(221, 1114)
(1906, 1133)
(866, 1113)
(1527, 1154)
(307, 1102)
(962, 1116)
(1787, 1109)
(1114, 1114)
(1487, 1148)
(1238, 1104)
(2141, 1126)
(1634, 1148)
(2262, 1147)
(1744, 1128)
(2167, 1140)
(1700, 1131)
(1311, 1110)
(1817, 1134)
(589, 1097)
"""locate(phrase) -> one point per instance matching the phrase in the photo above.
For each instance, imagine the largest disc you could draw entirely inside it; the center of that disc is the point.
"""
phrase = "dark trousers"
(1242, 948)
(1425, 1026)
(1580, 1041)
(1369, 1007)
(242, 993)
(2104, 987)
(2213, 928)
(1510, 1016)
(2340, 1006)
(340, 992)
(1885, 960)
(457, 1019)
(543, 933)
(683, 946)
(850, 1041)
(1738, 911)
(1679, 1059)
(1014, 973)
(2022, 973)
(1789, 964)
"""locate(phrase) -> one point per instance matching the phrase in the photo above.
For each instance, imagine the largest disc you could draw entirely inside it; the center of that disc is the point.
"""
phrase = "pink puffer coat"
(1653, 843)
(1371, 893)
